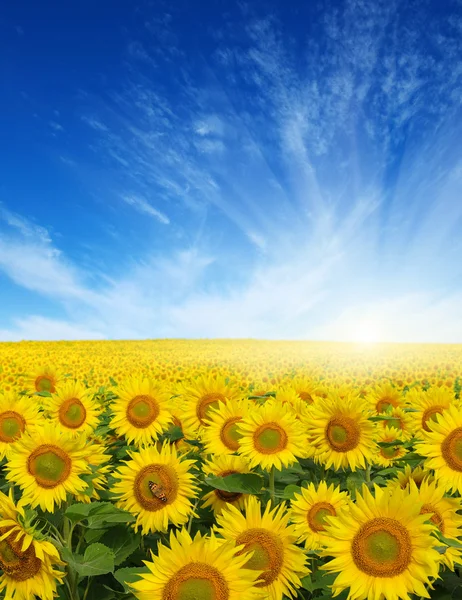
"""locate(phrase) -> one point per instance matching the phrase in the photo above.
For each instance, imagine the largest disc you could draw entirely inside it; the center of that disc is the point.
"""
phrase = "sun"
(367, 332)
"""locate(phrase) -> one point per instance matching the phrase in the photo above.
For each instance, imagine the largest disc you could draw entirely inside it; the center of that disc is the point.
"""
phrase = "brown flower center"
(49, 465)
(382, 548)
(167, 480)
(207, 402)
(451, 449)
(268, 553)
(72, 413)
(16, 564)
(196, 581)
(12, 426)
(317, 515)
(270, 438)
(343, 433)
(142, 410)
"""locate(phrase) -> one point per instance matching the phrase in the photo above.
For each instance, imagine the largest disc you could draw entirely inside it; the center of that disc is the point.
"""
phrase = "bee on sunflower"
(167, 470)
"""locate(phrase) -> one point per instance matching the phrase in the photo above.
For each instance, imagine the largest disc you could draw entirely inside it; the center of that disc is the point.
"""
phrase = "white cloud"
(143, 206)
(41, 328)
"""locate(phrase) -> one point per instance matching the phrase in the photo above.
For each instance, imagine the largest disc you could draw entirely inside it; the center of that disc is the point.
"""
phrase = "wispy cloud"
(143, 206)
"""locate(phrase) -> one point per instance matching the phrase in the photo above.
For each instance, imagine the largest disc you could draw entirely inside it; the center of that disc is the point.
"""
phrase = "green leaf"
(129, 575)
(290, 491)
(245, 483)
(94, 535)
(79, 512)
(106, 515)
(354, 481)
(307, 584)
(122, 541)
(450, 542)
(175, 433)
(43, 394)
(97, 560)
(112, 381)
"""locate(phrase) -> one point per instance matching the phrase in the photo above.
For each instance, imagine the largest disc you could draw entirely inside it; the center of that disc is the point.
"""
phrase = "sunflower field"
(230, 470)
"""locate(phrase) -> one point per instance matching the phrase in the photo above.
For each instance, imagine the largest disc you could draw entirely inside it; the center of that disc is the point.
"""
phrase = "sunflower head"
(310, 508)
(172, 477)
(197, 568)
(141, 411)
(221, 466)
(222, 435)
(271, 540)
(47, 464)
(272, 436)
(27, 561)
(340, 433)
(43, 379)
(383, 547)
(18, 414)
(72, 408)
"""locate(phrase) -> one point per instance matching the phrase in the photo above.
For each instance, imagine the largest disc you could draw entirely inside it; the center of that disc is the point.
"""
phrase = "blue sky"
(264, 169)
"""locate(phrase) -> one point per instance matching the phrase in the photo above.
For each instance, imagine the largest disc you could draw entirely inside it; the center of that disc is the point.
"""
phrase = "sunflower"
(47, 465)
(43, 379)
(443, 514)
(275, 555)
(386, 456)
(310, 508)
(404, 478)
(72, 408)
(305, 388)
(428, 405)
(96, 457)
(288, 395)
(398, 418)
(383, 396)
(200, 568)
(382, 547)
(272, 436)
(222, 466)
(173, 477)
(202, 395)
(141, 412)
(442, 446)
(340, 432)
(18, 414)
(27, 561)
(221, 436)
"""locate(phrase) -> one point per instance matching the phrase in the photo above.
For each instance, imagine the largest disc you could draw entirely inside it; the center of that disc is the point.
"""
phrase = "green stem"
(368, 474)
(192, 516)
(89, 580)
(271, 485)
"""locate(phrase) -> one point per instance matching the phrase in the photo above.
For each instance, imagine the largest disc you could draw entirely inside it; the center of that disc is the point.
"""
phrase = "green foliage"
(245, 483)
